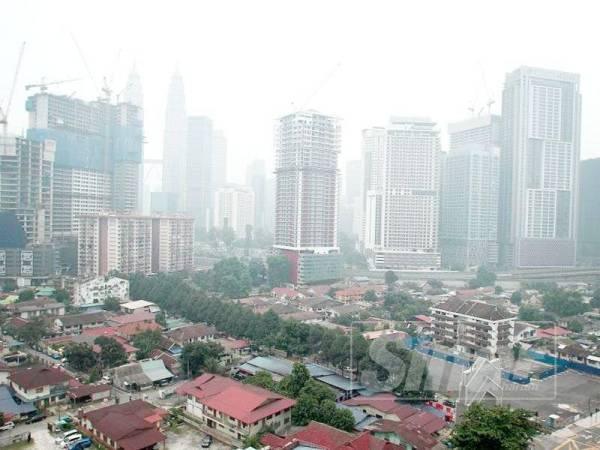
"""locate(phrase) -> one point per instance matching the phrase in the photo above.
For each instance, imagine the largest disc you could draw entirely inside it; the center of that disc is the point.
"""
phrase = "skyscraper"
(306, 205)
(175, 141)
(256, 179)
(134, 95)
(541, 112)
(26, 175)
(588, 236)
(219, 159)
(199, 174)
(468, 231)
(234, 208)
(98, 155)
(401, 198)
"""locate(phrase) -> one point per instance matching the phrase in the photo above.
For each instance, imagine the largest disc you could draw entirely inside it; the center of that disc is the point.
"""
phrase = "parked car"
(66, 435)
(36, 418)
(70, 440)
(7, 426)
(81, 444)
(206, 441)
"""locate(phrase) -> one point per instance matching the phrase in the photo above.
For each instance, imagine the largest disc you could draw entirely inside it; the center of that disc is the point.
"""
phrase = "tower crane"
(43, 86)
(4, 111)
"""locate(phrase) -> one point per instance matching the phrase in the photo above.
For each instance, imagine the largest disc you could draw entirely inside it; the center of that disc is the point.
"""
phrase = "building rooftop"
(184, 334)
(82, 319)
(476, 309)
(39, 376)
(244, 402)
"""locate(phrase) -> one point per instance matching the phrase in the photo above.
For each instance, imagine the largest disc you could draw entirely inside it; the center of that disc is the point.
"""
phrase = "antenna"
(4, 112)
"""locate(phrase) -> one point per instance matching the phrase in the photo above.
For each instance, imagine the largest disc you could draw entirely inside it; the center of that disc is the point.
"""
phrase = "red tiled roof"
(87, 389)
(329, 438)
(39, 376)
(131, 329)
(243, 402)
(424, 318)
(17, 322)
(100, 331)
(284, 292)
(139, 316)
(234, 343)
(384, 402)
(552, 332)
(426, 421)
(131, 424)
(414, 436)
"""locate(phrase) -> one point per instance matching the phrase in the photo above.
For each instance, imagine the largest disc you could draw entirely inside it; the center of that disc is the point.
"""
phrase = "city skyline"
(475, 69)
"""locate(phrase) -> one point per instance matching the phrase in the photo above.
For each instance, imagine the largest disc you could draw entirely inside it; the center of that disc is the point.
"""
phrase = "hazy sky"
(245, 62)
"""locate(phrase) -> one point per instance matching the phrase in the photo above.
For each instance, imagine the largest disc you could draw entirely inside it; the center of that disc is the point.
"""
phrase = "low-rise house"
(233, 409)
(552, 333)
(344, 310)
(524, 330)
(320, 436)
(141, 375)
(387, 333)
(76, 323)
(408, 436)
(236, 348)
(42, 306)
(84, 393)
(128, 426)
(198, 332)
(129, 330)
(172, 364)
(97, 290)
(138, 306)
(317, 304)
(41, 385)
(137, 317)
(12, 407)
(283, 293)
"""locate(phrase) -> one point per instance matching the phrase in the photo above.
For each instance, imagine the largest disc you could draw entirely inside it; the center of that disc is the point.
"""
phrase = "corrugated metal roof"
(8, 405)
(155, 370)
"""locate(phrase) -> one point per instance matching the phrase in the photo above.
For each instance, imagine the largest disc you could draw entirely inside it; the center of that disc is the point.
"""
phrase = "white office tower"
(234, 208)
(175, 142)
(541, 113)
(219, 159)
(401, 194)
(306, 205)
(469, 222)
(134, 95)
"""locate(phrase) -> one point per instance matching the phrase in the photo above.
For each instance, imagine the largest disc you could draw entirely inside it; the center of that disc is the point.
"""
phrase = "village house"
(198, 332)
(130, 426)
(233, 409)
(42, 306)
(41, 385)
(76, 323)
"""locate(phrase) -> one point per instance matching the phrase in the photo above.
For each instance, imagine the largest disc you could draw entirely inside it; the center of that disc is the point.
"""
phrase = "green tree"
(292, 384)
(94, 376)
(516, 351)
(261, 379)
(32, 332)
(564, 303)
(26, 294)
(231, 278)
(9, 286)
(390, 278)
(257, 272)
(146, 342)
(62, 296)
(498, 289)
(196, 356)
(575, 326)
(516, 298)
(112, 304)
(278, 270)
(112, 353)
(496, 427)
(161, 319)
(80, 356)
(1, 419)
(370, 296)
(595, 301)
(343, 420)
(483, 277)
(318, 391)
(305, 410)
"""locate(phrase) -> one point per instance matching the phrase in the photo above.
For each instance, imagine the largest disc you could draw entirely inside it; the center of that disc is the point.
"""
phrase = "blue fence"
(564, 364)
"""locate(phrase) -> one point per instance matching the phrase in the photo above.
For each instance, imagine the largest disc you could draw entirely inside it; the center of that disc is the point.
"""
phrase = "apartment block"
(234, 208)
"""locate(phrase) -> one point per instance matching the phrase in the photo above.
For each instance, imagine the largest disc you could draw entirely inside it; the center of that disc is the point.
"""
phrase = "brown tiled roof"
(83, 319)
(87, 389)
(132, 424)
(38, 376)
(186, 333)
(475, 309)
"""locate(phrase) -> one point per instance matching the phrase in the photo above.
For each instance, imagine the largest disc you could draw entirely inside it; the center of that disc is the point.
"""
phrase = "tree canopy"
(496, 427)
(80, 356)
(112, 353)
(278, 270)
(564, 303)
(146, 341)
(483, 277)
(197, 356)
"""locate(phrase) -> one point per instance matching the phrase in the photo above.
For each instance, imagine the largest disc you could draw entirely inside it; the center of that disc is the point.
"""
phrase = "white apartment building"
(473, 327)
(541, 112)
(26, 184)
(97, 290)
(234, 208)
(470, 181)
(131, 244)
(306, 205)
(401, 194)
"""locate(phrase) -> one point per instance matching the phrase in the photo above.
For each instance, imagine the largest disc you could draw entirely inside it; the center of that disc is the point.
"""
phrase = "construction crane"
(43, 86)
(4, 111)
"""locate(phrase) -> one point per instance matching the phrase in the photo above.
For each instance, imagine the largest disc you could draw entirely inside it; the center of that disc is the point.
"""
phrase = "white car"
(60, 440)
(7, 426)
(71, 440)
